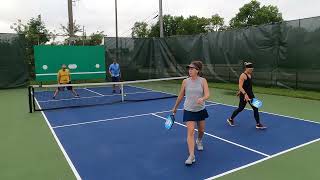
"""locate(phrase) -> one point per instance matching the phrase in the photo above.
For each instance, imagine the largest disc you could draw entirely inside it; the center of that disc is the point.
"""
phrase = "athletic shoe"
(191, 159)
(199, 145)
(53, 97)
(260, 126)
(230, 122)
(77, 95)
(113, 91)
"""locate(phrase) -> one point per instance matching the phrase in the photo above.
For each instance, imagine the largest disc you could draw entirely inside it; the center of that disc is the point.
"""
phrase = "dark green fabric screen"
(284, 54)
(13, 67)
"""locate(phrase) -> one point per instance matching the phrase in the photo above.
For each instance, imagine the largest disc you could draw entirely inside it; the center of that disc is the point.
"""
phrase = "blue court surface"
(128, 140)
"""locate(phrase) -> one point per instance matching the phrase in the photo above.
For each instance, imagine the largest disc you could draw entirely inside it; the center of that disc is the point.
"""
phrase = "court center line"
(117, 118)
(222, 139)
(264, 159)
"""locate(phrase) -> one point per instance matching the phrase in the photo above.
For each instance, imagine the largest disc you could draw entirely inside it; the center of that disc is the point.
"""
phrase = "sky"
(100, 14)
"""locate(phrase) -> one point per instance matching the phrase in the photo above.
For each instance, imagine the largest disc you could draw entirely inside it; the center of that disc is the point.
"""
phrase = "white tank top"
(193, 91)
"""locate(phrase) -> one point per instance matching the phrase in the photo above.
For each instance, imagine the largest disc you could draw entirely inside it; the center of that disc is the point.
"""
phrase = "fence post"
(297, 78)
(30, 99)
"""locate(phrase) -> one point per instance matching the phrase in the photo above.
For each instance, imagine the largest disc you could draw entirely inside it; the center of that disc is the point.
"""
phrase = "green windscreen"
(13, 63)
(84, 62)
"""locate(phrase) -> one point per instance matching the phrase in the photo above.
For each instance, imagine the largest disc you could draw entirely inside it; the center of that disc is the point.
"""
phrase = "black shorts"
(62, 88)
(195, 116)
(115, 79)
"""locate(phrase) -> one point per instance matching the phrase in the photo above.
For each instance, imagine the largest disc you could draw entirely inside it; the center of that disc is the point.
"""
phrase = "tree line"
(249, 15)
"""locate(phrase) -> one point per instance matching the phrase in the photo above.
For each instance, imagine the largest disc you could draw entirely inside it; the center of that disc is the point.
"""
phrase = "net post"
(33, 99)
(122, 93)
(30, 99)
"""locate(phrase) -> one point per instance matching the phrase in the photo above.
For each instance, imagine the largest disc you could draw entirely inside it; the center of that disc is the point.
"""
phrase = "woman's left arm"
(205, 90)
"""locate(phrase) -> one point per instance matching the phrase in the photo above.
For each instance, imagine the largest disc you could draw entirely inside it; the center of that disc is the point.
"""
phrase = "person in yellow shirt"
(64, 78)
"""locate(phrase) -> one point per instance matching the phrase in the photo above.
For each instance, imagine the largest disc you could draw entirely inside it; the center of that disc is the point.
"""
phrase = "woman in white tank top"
(196, 92)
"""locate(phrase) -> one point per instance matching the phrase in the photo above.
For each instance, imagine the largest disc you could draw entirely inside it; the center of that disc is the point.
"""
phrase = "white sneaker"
(199, 145)
(191, 159)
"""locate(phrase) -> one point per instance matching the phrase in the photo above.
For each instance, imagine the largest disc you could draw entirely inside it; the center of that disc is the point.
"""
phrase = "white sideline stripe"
(117, 118)
(261, 160)
(69, 99)
(102, 120)
(54, 74)
(93, 92)
(73, 168)
(217, 137)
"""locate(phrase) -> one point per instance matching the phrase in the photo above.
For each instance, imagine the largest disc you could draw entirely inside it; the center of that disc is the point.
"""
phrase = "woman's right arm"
(180, 97)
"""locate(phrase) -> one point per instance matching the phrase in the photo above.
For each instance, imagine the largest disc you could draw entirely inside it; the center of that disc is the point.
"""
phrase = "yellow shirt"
(64, 76)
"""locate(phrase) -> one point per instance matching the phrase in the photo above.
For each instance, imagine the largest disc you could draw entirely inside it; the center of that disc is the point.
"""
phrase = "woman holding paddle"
(245, 94)
(196, 92)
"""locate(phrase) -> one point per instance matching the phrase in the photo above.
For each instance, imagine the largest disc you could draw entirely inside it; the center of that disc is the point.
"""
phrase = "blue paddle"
(169, 121)
(256, 103)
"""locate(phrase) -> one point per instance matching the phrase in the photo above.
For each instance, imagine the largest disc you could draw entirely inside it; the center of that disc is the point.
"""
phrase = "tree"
(178, 25)
(93, 40)
(96, 38)
(195, 25)
(66, 31)
(252, 14)
(216, 23)
(35, 33)
(172, 25)
(140, 30)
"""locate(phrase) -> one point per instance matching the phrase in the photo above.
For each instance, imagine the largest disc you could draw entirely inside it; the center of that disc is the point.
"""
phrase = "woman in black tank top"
(245, 95)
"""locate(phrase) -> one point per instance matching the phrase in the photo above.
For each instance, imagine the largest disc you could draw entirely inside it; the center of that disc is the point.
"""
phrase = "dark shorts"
(62, 88)
(195, 116)
(115, 79)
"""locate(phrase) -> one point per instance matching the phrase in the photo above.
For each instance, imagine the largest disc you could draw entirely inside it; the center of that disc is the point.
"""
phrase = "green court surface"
(29, 150)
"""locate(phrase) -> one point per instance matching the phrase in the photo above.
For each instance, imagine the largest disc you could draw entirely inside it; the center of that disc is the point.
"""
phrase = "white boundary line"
(73, 168)
(102, 120)
(93, 92)
(217, 137)
(54, 74)
(117, 118)
(261, 160)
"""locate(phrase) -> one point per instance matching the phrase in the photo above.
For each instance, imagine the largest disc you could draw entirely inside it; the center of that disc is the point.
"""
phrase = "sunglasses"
(192, 68)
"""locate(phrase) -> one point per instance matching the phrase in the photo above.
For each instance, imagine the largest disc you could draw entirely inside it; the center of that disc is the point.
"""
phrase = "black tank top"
(247, 86)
